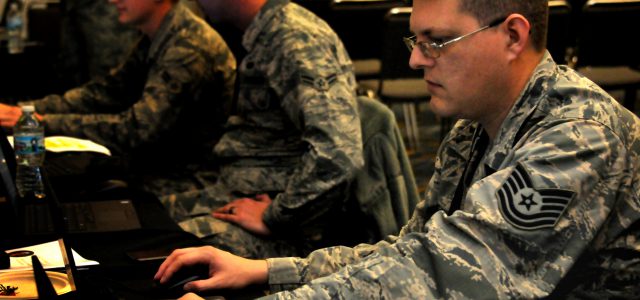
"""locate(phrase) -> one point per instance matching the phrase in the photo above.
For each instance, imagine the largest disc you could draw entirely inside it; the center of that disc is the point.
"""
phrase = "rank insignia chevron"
(528, 208)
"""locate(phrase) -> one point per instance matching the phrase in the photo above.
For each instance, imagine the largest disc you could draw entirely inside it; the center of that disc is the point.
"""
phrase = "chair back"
(385, 188)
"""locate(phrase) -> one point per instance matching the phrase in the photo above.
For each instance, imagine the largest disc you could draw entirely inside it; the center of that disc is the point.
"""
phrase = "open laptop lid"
(8, 193)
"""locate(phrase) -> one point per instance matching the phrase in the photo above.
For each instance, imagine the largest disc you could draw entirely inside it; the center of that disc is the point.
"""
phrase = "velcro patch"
(528, 208)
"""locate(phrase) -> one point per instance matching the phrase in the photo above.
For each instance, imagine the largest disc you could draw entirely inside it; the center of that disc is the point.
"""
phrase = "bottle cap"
(28, 108)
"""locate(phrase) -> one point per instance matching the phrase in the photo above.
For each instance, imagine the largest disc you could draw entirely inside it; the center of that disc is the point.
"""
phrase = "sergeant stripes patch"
(528, 208)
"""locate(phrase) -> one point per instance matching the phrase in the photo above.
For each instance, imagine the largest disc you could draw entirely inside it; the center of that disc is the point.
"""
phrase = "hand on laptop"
(226, 270)
(246, 213)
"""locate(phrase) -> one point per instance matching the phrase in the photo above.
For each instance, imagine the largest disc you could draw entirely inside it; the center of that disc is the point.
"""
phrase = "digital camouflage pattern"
(93, 41)
(566, 146)
(296, 131)
(164, 108)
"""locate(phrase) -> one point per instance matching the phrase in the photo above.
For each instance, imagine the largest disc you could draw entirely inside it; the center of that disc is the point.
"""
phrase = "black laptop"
(79, 217)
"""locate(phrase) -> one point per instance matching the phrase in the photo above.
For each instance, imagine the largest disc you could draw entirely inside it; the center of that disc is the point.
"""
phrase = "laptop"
(77, 217)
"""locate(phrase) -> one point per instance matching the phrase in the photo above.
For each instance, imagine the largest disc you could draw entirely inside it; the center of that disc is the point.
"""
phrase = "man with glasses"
(535, 192)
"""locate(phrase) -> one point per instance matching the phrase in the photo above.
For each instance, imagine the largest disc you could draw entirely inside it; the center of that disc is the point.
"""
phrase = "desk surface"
(119, 276)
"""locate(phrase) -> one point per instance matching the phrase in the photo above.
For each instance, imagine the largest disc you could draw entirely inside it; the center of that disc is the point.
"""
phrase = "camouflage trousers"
(192, 211)
(163, 185)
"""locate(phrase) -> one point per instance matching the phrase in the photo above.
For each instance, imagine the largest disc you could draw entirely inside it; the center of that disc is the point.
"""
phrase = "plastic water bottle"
(28, 142)
(15, 26)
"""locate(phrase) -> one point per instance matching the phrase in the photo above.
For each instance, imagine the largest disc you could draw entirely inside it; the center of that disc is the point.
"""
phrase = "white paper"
(67, 143)
(49, 255)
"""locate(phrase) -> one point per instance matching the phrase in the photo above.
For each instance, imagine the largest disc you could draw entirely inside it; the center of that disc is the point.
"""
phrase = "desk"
(118, 276)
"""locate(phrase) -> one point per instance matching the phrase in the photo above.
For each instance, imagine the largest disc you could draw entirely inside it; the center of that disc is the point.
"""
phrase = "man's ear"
(518, 30)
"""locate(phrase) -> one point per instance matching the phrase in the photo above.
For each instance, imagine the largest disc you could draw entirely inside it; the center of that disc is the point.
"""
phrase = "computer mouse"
(176, 283)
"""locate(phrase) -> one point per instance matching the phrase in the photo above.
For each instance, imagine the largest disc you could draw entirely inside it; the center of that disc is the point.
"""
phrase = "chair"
(398, 83)
(385, 188)
(607, 50)
(560, 36)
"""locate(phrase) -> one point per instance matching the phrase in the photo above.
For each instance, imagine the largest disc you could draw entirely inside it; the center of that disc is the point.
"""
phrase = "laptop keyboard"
(78, 217)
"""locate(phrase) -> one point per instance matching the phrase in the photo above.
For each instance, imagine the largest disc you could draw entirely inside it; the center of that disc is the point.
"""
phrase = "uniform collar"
(531, 96)
(167, 29)
(266, 14)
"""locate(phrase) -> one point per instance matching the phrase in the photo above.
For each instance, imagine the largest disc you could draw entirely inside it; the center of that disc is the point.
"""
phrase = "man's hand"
(9, 115)
(246, 213)
(226, 271)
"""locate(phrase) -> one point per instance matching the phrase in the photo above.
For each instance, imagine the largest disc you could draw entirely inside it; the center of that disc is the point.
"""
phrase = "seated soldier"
(93, 41)
(293, 146)
(535, 192)
(163, 109)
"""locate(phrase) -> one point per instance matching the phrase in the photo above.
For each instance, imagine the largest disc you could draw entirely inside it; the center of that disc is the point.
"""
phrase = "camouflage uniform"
(552, 209)
(93, 40)
(296, 135)
(164, 108)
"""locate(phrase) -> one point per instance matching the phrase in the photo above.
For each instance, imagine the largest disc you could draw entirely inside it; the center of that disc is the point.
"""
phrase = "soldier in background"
(292, 146)
(163, 109)
(92, 41)
(535, 192)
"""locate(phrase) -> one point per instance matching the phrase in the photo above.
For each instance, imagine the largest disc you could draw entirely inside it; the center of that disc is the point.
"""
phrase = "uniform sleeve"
(484, 250)
(124, 124)
(318, 92)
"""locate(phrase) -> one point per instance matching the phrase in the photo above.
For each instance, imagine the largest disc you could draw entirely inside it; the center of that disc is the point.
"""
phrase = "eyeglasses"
(433, 50)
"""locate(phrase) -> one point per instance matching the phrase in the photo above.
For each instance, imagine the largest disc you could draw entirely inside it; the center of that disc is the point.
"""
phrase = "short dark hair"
(536, 12)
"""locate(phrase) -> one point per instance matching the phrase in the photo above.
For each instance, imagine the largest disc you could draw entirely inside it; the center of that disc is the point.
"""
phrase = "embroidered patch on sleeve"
(528, 208)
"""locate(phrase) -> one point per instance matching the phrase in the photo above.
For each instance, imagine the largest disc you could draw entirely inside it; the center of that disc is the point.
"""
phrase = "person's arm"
(170, 85)
(226, 271)
(319, 98)
(483, 251)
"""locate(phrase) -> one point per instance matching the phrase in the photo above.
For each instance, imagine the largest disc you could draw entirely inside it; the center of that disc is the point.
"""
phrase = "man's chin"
(440, 108)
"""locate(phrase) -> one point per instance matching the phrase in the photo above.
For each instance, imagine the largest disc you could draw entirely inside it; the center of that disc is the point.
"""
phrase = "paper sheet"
(49, 255)
(67, 143)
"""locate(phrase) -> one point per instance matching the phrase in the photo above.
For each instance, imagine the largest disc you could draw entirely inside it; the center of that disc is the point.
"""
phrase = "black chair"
(560, 36)
(607, 51)
(398, 83)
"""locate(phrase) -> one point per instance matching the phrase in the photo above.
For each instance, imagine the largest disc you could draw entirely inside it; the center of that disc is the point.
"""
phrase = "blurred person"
(293, 145)
(163, 109)
(535, 192)
(93, 41)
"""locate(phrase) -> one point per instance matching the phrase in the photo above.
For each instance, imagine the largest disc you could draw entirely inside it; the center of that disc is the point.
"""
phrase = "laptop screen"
(8, 193)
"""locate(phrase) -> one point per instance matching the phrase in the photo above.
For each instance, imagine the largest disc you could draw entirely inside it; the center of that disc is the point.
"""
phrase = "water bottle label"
(14, 23)
(28, 144)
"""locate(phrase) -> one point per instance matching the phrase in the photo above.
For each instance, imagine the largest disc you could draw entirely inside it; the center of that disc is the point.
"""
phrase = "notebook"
(77, 217)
